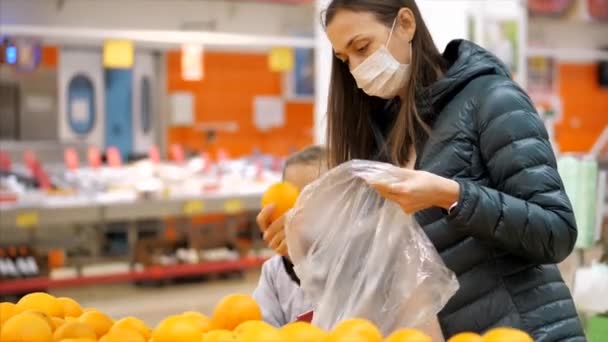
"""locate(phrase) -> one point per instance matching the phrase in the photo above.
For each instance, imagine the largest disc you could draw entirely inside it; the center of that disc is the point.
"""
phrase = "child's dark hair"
(315, 154)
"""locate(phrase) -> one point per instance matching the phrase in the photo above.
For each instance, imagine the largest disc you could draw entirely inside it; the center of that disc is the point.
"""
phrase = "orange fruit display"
(283, 196)
(408, 335)
(99, 321)
(506, 335)
(74, 330)
(466, 337)
(71, 308)
(303, 332)
(132, 323)
(355, 330)
(177, 328)
(42, 302)
(233, 310)
(26, 327)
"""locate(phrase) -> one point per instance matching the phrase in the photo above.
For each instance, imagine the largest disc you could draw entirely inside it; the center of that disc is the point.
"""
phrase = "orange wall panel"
(585, 107)
(226, 93)
(48, 56)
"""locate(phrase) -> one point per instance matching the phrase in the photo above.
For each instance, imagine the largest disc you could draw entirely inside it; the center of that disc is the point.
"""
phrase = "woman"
(482, 176)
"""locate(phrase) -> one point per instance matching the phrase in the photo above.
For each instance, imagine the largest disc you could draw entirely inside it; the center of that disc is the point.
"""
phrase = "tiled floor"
(153, 304)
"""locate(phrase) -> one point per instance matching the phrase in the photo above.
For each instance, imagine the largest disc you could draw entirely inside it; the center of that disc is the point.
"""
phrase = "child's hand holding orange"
(276, 201)
(274, 231)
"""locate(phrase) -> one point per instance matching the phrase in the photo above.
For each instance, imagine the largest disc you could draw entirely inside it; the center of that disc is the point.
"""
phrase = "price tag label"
(27, 219)
(233, 206)
(118, 54)
(281, 59)
(194, 207)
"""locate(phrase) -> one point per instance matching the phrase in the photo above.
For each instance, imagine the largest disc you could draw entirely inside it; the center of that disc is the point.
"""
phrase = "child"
(278, 292)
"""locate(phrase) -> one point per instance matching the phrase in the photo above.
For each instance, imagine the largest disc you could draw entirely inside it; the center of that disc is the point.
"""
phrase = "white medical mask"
(381, 74)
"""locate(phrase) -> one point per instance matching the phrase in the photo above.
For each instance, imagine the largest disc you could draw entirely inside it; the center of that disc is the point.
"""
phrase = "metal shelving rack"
(34, 223)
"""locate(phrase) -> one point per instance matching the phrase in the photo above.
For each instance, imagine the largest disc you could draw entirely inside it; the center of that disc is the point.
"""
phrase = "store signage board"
(192, 62)
(281, 59)
(118, 54)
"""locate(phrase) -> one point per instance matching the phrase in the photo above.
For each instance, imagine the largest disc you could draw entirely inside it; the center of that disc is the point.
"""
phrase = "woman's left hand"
(420, 190)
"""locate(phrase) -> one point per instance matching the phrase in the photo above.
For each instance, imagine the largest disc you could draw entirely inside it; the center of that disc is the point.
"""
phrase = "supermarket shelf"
(151, 273)
(90, 213)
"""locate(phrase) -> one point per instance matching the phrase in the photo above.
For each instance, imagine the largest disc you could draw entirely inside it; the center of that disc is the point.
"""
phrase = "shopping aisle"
(152, 304)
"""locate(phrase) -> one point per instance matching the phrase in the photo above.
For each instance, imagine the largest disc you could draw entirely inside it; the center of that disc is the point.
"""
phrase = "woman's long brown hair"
(349, 134)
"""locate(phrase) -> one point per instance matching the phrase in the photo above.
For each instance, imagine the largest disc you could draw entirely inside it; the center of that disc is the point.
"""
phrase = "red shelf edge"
(150, 273)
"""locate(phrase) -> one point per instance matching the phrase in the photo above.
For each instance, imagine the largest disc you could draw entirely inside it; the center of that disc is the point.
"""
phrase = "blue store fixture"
(119, 110)
(81, 105)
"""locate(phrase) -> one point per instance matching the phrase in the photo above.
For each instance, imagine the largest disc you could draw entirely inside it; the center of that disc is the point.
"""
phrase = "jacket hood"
(466, 62)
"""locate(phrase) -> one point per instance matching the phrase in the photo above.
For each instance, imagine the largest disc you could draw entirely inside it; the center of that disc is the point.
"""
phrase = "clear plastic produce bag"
(358, 255)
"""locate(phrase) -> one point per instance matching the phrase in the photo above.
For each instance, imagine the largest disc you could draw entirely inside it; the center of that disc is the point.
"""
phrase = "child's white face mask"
(381, 74)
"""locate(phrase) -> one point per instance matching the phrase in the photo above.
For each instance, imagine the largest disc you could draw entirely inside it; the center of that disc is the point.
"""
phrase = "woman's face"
(354, 36)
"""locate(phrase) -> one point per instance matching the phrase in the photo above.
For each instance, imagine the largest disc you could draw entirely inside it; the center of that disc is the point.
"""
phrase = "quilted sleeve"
(526, 210)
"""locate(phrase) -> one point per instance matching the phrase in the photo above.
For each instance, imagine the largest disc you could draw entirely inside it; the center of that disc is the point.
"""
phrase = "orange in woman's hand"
(283, 196)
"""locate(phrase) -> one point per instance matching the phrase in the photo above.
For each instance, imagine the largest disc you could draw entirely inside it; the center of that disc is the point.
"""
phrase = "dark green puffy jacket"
(514, 221)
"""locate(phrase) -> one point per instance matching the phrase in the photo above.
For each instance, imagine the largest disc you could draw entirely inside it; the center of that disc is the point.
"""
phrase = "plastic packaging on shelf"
(358, 255)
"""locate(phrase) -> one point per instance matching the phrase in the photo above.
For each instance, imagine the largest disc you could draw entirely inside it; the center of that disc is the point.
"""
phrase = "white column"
(323, 53)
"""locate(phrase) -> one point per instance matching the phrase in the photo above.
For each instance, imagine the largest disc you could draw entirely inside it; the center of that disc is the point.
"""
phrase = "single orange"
(74, 330)
(303, 332)
(283, 196)
(42, 302)
(99, 321)
(260, 333)
(133, 323)
(506, 335)
(71, 308)
(202, 321)
(235, 309)
(251, 325)
(355, 330)
(45, 317)
(26, 327)
(466, 337)
(177, 328)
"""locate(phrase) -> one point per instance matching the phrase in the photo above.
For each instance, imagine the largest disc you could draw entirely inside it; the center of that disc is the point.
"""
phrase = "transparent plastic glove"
(358, 255)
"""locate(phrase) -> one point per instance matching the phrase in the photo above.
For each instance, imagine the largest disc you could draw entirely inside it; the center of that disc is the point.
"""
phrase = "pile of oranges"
(40, 317)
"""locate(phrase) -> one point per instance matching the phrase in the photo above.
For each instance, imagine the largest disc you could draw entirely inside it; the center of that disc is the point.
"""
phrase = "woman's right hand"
(274, 231)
